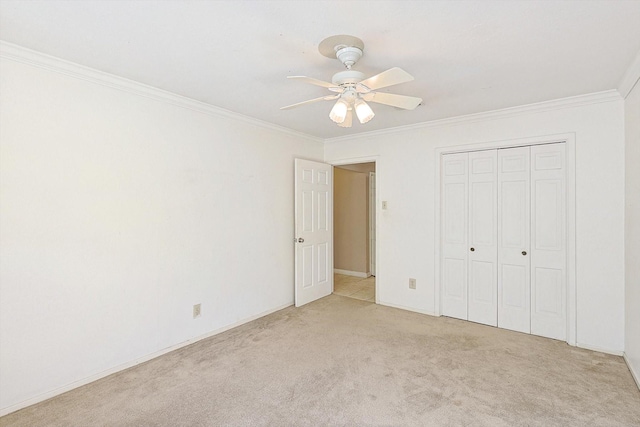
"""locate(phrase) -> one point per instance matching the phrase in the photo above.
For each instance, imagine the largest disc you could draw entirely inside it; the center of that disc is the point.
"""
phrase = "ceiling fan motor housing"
(347, 78)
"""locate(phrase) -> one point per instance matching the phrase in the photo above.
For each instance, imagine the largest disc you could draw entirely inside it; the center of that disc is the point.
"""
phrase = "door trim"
(570, 144)
(368, 159)
(372, 220)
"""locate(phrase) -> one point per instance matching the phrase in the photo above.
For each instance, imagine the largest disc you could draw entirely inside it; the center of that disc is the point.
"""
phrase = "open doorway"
(354, 230)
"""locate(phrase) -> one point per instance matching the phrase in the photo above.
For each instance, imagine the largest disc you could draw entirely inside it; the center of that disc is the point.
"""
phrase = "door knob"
(472, 249)
(524, 252)
(300, 240)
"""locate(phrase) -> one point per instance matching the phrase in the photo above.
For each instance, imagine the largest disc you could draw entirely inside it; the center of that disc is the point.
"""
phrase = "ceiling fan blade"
(392, 76)
(322, 98)
(313, 81)
(400, 101)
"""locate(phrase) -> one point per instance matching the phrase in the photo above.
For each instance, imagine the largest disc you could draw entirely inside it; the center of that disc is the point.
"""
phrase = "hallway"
(355, 287)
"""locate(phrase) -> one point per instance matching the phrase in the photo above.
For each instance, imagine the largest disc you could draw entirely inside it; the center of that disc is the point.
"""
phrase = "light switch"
(384, 204)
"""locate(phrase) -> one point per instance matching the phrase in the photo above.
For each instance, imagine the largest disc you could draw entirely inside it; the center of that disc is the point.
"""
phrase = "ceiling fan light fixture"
(352, 90)
(339, 111)
(363, 111)
(348, 120)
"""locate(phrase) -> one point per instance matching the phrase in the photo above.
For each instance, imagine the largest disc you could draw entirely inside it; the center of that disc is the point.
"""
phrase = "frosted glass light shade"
(348, 120)
(339, 111)
(364, 112)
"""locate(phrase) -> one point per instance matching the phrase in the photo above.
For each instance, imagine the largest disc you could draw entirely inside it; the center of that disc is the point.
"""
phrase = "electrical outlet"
(196, 310)
(412, 283)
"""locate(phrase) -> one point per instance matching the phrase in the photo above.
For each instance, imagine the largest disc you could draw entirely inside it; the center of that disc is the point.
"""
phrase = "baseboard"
(402, 307)
(599, 349)
(351, 273)
(634, 374)
(48, 395)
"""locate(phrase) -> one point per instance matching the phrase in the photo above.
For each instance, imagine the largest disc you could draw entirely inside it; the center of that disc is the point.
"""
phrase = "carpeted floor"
(345, 362)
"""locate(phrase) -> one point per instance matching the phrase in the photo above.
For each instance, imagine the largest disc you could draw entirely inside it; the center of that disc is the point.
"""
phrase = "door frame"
(373, 210)
(368, 159)
(570, 145)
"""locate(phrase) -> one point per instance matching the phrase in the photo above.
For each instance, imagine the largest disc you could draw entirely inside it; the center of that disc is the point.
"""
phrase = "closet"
(503, 233)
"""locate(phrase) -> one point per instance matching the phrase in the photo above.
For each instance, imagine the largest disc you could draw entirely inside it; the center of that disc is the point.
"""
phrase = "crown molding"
(556, 104)
(631, 77)
(21, 54)
(37, 59)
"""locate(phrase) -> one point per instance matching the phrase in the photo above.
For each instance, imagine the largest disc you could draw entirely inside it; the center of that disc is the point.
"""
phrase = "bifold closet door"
(483, 234)
(454, 223)
(469, 236)
(548, 241)
(514, 231)
(503, 230)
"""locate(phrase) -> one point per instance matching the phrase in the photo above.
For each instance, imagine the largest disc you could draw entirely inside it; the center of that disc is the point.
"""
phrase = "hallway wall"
(350, 228)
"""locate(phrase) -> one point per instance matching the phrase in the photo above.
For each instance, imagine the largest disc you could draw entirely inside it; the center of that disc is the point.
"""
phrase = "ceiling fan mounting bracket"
(349, 56)
(347, 49)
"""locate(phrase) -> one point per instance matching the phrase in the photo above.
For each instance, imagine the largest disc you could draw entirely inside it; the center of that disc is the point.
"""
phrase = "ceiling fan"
(352, 90)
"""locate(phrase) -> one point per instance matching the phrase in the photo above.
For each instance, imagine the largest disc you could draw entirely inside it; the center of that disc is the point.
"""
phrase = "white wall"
(406, 173)
(632, 230)
(119, 212)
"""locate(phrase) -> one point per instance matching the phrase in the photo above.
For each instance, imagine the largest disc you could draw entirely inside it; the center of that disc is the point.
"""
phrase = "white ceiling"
(466, 56)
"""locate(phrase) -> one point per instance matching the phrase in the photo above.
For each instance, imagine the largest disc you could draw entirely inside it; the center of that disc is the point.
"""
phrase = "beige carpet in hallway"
(344, 362)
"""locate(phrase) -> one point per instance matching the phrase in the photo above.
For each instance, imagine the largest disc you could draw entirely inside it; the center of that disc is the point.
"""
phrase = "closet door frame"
(570, 146)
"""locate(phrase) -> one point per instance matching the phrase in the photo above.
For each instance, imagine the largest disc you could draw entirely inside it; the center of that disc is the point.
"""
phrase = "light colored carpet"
(344, 362)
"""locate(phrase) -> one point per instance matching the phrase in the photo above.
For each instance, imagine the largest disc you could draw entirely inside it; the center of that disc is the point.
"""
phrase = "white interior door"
(514, 240)
(548, 241)
(483, 248)
(314, 231)
(454, 233)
